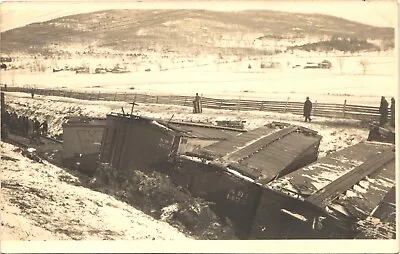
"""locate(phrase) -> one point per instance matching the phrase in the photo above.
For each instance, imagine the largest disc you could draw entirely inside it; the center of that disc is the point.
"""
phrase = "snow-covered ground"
(345, 81)
(40, 201)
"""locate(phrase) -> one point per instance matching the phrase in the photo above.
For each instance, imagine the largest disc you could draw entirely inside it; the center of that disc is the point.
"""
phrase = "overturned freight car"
(230, 173)
(326, 198)
(138, 142)
(381, 224)
(82, 137)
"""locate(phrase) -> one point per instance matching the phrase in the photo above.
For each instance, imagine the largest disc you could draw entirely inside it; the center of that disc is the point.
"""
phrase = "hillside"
(186, 32)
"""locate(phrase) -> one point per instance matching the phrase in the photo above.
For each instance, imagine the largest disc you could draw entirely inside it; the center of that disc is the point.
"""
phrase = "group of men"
(383, 111)
(27, 127)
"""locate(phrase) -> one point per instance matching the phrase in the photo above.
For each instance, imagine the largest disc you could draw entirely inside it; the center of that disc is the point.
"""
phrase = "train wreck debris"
(152, 144)
(231, 173)
(381, 224)
(382, 134)
(82, 137)
(333, 193)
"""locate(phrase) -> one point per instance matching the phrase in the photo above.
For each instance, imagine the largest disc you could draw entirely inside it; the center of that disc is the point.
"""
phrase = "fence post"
(344, 109)
(220, 103)
(238, 105)
(98, 96)
(262, 105)
(157, 99)
(286, 105)
(115, 96)
(125, 96)
(315, 108)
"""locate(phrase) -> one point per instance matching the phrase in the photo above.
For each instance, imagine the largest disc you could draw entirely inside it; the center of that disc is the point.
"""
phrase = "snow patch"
(296, 215)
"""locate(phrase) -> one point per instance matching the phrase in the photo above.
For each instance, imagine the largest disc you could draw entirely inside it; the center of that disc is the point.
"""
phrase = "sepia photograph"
(199, 120)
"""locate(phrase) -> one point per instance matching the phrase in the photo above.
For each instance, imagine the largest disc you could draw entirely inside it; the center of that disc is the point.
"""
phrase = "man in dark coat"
(392, 112)
(197, 108)
(307, 110)
(383, 111)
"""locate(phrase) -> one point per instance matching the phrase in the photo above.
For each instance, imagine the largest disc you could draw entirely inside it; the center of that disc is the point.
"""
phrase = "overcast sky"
(378, 12)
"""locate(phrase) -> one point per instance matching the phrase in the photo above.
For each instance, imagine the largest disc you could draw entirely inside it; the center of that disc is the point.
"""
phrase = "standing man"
(392, 112)
(383, 110)
(307, 109)
(197, 104)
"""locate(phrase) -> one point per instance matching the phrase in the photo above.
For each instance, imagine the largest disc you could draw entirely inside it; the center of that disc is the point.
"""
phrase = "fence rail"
(345, 111)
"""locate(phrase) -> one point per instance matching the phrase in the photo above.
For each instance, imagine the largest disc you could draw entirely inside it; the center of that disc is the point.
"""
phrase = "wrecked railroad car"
(137, 142)
(325, 199)
(230, 173)
(381, 224)
(82, 137)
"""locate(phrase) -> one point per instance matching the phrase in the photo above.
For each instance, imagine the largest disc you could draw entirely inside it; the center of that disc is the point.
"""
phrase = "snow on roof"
(330, 175)
(261, 154)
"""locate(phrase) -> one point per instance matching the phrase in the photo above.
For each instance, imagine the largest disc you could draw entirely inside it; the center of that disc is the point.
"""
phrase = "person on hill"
(44, 128)
(392, 112)
(36, 131)
(25, 127)
(30, 129)
(307, 110)
(383, 111)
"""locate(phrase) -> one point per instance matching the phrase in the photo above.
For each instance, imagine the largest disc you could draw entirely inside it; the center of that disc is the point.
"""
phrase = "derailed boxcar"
(381, 224)
(326, 198)
(230, 173)
(82, 138)
(137, 142)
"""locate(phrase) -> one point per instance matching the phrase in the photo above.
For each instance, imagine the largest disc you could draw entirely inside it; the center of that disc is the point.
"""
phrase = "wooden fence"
(345, 111)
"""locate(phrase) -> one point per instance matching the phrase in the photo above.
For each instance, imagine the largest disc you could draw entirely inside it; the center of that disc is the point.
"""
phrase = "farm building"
(82, 138)
(326, 198)
(230, 173)
(137, 142)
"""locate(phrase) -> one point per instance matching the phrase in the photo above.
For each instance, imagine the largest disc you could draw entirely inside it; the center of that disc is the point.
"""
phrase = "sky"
(378, 13)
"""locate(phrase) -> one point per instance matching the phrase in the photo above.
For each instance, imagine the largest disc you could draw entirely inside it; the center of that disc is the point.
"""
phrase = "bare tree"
(364, 65)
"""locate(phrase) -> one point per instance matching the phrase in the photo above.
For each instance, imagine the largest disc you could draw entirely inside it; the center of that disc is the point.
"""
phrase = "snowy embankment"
(337, 133)
(40, 201)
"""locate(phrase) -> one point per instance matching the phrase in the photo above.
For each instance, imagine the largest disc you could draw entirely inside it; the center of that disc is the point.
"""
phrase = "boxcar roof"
(202, 131)
(189, 129)
(263, 153)
(353, 181)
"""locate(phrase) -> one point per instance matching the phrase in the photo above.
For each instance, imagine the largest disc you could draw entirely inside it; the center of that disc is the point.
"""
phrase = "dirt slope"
(40, 201)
